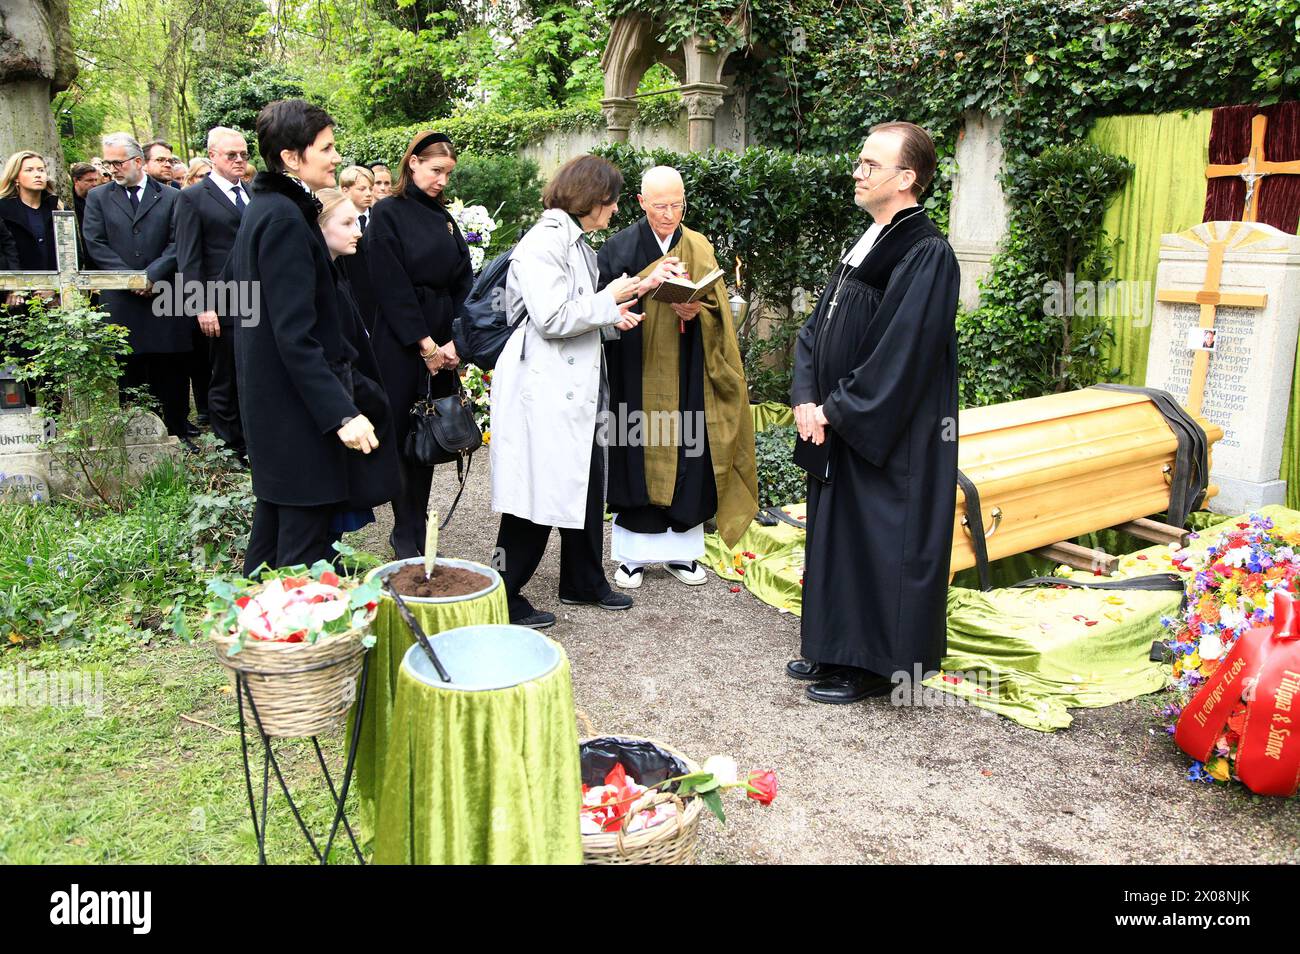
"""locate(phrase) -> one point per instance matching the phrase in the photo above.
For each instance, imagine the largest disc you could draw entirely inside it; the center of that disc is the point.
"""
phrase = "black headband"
(429, 140)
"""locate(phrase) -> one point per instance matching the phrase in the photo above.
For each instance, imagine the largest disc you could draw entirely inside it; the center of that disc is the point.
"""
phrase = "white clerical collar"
(859, 252)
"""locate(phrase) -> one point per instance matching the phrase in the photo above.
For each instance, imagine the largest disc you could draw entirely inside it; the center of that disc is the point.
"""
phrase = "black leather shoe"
(540, 619)
(610, 601)
(806, 669)
(850, 685)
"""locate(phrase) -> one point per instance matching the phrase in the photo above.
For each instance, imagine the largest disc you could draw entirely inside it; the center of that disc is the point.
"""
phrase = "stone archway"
(633, 48)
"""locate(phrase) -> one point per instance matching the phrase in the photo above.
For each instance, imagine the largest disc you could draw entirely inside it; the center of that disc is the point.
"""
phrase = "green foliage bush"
(1020, 341)
(235, 99)
(507, 185)
(780, 479)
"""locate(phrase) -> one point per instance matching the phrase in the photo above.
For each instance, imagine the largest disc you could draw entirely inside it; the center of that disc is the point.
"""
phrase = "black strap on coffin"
(1191, 473)
(1153, 581)
(776, 513)
(975, 525)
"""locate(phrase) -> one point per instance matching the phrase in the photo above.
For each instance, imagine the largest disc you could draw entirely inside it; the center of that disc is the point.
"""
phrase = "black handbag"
(442, 429)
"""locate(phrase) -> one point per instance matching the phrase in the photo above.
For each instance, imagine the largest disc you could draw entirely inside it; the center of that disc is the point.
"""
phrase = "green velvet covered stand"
(392, 639)
(480, 772)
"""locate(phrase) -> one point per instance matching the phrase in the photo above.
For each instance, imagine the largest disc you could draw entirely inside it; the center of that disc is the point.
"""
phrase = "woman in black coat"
(421, 273)
(293, 360)
(27, 207)
(373, 478)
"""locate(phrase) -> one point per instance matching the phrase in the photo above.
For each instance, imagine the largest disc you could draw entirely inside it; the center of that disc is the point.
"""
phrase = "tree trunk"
(36, 61)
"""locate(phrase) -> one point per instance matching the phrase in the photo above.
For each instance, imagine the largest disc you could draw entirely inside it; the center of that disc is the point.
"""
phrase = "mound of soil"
(446, 581)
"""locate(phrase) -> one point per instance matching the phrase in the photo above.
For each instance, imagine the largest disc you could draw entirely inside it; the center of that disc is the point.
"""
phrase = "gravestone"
(977, 221)
(1240, 281)
(30, 472)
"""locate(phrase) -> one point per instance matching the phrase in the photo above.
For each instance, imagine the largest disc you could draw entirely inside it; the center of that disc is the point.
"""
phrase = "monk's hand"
(819, 425)
(209, 325)
(670, 267)
(688, 310)
(627, 318)
(359, 434)
(803, 419)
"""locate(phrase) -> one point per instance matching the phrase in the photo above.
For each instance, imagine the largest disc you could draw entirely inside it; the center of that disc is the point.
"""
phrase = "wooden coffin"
(1051, 468)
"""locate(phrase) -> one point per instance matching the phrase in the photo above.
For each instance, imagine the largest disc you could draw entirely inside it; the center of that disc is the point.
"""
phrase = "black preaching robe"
(695, 494)
(880, 356)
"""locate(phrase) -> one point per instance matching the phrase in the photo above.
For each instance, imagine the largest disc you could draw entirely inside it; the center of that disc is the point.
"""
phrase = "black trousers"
(223, 395)
(164, 376)
(411, 509)
(199, 371)
(521, 544)
(286, 536)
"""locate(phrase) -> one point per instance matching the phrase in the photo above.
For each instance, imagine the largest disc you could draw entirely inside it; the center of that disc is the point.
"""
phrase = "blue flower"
(1197, 773)
(31, 560)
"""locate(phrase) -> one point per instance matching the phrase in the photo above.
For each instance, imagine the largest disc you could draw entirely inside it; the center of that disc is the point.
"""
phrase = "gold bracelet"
(427, 355)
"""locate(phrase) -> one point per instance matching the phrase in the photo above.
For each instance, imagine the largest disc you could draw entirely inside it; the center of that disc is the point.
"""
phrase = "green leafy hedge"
(780, 480)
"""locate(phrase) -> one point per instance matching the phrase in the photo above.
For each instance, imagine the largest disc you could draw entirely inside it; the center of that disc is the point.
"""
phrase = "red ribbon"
(1268, 755)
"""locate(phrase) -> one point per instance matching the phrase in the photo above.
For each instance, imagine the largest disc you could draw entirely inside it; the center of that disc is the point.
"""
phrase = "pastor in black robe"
(695, 495)
(879, 354)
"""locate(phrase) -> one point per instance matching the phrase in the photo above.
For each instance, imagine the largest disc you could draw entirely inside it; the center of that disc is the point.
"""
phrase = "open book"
(682, 291)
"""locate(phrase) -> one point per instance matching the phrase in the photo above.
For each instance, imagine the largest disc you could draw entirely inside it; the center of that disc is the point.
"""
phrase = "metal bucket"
(483, 658)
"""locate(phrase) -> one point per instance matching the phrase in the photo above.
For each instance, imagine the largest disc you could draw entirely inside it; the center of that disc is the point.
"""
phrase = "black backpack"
(483, 326)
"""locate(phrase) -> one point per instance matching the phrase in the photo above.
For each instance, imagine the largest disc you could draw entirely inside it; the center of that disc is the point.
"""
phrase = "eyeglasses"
(664, 207)
(867, 168)
(118, 163)
(232, 156)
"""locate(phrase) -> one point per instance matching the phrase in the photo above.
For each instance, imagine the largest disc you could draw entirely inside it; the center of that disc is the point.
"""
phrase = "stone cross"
(1254, 168)
(67, 278)
(1209, 298)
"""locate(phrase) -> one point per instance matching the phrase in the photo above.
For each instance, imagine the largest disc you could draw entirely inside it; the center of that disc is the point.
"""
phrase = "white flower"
(1211, 647)
(723, 768)
(1237, 556)
(1232, 618)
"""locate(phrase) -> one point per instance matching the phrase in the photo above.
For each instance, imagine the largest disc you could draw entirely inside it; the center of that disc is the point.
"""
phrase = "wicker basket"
(667, 843)
(298, 689)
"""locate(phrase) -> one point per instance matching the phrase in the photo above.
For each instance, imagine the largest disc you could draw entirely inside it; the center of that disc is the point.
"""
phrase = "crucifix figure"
(1209, 298)
(68, 279)
(1254, 168)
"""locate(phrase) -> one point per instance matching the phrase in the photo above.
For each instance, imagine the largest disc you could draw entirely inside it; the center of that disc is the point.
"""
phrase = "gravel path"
(701, 669)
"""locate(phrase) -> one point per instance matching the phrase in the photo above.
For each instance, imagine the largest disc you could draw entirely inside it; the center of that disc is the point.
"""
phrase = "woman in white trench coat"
(549, 392)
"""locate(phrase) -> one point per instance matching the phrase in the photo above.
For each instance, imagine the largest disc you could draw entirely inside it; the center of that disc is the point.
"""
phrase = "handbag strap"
(462, 474)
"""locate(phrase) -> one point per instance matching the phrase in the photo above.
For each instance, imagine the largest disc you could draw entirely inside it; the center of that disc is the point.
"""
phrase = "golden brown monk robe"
(681, 438)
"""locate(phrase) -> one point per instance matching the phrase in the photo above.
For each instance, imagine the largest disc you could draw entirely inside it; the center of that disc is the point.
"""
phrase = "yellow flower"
(1192, 661)
(1029, 59)
(1218, 768)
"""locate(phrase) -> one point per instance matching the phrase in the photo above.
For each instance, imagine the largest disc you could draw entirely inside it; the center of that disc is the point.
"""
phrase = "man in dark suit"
(207, 218)
(129, 226)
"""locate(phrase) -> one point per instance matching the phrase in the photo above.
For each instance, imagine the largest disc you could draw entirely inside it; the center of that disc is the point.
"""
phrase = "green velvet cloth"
(1019, 653)
(392, 639)
(770, 414)
(1166, 194)
(482, 777)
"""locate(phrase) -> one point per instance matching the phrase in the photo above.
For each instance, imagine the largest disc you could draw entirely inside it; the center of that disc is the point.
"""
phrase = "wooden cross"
(67, 278)
(1209, 298)
(1254, 168)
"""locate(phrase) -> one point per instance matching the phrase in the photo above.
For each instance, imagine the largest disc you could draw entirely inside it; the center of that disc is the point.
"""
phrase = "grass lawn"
(139, 783)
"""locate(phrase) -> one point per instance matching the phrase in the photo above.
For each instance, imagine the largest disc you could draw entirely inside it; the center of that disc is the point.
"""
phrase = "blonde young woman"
(27, 204)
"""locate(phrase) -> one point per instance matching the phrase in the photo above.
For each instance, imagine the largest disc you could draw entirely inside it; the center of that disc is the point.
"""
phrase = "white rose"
(1211, 647)
(723, 768)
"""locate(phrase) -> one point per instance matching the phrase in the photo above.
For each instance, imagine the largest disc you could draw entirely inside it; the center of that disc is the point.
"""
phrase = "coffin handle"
(997, 522)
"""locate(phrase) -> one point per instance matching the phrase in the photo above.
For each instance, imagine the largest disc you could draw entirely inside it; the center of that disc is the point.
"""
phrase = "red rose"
(329, 578)
(765, 782)
(296, 637)
(243, 601)
(292, 583)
